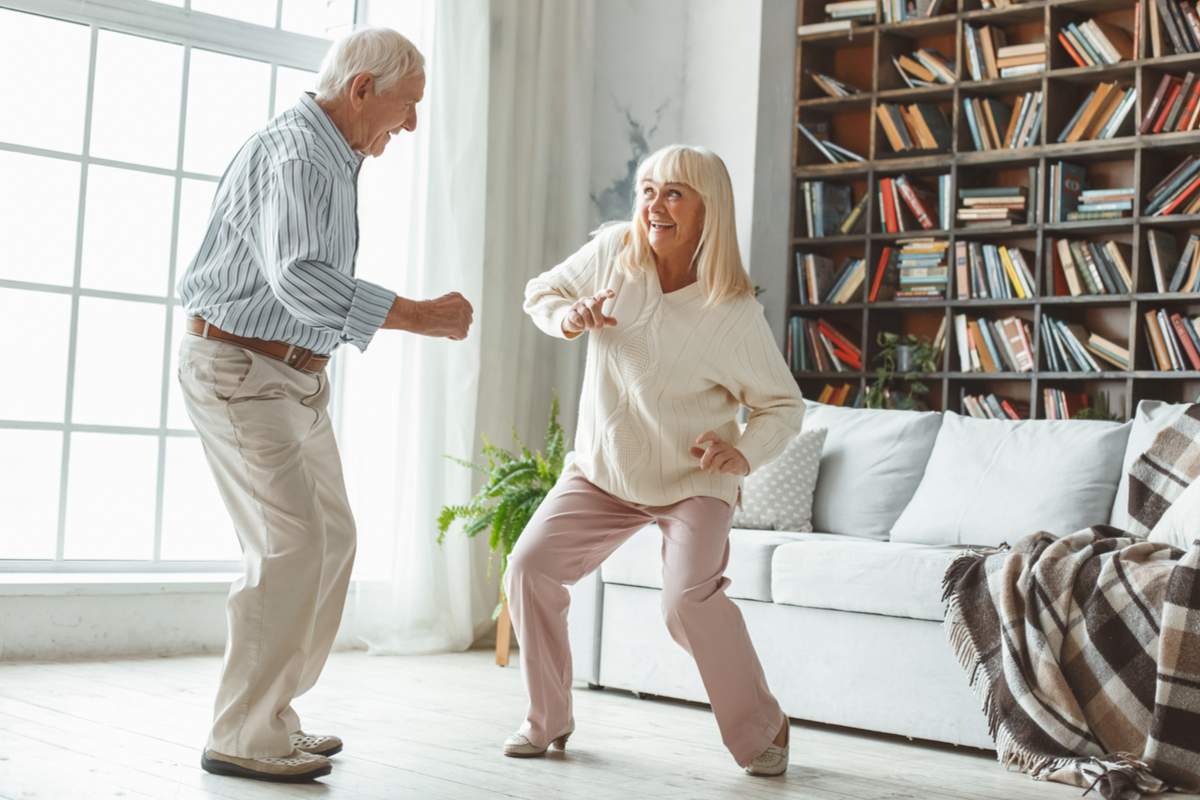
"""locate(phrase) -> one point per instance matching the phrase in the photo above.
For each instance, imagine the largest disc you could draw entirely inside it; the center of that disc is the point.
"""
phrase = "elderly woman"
(676, 343)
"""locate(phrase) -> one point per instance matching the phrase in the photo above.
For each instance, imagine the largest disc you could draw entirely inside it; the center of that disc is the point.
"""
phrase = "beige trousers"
(576, 527)
(268, 439)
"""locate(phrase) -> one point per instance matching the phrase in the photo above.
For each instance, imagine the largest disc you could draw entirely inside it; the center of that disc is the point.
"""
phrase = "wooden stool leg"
(503, 635)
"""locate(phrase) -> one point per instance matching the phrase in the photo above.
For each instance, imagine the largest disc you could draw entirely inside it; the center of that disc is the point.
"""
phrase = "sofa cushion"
(638, 562)
(889, 578)
(1150, 417)
(991, 480)
(1179, 526)
(870, 467)
(779, 495)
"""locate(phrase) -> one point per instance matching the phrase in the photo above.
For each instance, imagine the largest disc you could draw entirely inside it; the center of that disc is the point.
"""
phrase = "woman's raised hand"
(586, 314)
(718, 455)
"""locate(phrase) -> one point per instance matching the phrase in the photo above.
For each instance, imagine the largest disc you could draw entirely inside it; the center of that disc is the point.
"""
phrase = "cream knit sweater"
(670, 370)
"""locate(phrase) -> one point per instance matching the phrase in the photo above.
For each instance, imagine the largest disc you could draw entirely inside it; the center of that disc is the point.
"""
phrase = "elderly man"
(270, 294)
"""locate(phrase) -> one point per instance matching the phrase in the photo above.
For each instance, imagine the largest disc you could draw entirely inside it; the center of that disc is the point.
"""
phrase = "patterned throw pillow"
(779, 495)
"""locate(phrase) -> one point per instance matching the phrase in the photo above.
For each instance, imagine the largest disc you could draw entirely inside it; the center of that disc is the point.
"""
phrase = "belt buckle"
(298, 357)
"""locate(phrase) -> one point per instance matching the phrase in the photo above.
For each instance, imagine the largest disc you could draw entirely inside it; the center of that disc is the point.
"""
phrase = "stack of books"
(828, 209)
(1093, 267)
(1175, 107)
(1060, 405)
(842, 16)
(835, 153)
(922, 270)
(840, 396)
(1185, 275)
(991, 271)
(817, 282)
(1181, 22)
(988, 406)
(1071, 348)
(925, 67)
(897, 193)
(920, 126)
(989, 56)
(994, 126)
(1174, 340)
(1101, 114)
(986, 345)
(814, 344)
(832, 86)
(1069, 201)
(900, 10)
(991, 205)
(1095, 42)
(1176, 193)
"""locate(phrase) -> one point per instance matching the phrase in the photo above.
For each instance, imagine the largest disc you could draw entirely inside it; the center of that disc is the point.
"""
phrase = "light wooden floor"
(430, 727)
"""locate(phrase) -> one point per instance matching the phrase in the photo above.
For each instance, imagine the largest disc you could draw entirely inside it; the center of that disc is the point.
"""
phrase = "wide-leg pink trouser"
(574, 530)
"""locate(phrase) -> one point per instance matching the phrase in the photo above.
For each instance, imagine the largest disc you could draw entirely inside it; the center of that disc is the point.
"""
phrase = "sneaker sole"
(217, 767)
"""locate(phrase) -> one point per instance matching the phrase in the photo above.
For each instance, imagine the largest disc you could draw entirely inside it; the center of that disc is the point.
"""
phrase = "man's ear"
(362, 85)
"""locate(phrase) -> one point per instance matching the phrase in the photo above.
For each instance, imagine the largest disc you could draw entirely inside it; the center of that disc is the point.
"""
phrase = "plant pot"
(904, 358)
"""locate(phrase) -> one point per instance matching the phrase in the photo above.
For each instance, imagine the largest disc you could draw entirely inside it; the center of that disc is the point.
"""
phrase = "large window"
(120, 116)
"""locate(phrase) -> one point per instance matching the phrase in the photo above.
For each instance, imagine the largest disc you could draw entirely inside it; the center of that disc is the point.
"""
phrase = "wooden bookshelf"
(862, 57)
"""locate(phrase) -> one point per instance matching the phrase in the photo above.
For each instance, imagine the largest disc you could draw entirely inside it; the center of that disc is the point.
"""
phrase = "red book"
(1179, 198)
(1008, 409)
(914, 203)
(1166, 108)
(1185, 340)
(1184, 122)
(1066, 43)
(839, 341)
(889, 206)
(884, 259)
(1160, 95)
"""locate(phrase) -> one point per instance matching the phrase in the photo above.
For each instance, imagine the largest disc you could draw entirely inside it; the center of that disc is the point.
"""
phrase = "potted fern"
(515, 484)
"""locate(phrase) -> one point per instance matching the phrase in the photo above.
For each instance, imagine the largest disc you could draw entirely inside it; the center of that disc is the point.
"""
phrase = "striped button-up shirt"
(277, 259)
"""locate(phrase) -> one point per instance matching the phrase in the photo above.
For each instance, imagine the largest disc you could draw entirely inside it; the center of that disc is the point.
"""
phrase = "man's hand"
(449, 316)
(717, 455)
(585, 314)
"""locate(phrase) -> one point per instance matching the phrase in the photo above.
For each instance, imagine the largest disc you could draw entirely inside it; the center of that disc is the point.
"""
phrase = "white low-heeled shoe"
(774, 760)
(519, 746)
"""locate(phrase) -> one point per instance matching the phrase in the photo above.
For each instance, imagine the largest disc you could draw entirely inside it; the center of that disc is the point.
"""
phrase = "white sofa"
(848, 619)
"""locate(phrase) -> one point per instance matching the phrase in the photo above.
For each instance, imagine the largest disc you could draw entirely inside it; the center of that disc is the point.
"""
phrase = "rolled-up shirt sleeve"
(294, 233)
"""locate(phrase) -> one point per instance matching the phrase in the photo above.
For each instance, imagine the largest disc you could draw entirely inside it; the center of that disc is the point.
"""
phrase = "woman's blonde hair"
(718, 261)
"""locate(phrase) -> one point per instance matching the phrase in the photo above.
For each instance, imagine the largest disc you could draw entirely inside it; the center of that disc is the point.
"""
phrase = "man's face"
(385, 114)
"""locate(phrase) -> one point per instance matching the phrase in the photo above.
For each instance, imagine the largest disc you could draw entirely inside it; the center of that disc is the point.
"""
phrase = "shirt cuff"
(368, 310)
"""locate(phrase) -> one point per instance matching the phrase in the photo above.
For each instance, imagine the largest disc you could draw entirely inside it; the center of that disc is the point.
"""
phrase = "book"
(919, 126)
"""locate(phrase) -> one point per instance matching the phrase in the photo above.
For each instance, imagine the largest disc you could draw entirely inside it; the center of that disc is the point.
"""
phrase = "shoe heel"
(561, 742)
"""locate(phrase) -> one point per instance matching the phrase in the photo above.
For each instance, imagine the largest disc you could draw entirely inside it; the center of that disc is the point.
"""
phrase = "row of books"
(918, 126)
(986, 345)
(841, 17)
(988, 406)
(832, 86)
(991, 271)
(1060, 405)
(995, 126)
(1070, 201)
(1095, 42)
(815, 344)
(1180, 20)
(990, 205)
(1101, 114)
(1071, 348)
(989, 56)
(829, 210)
(900, 10)
(898, 192)
(1174, 340)
(925, 67)
(840, 396)
(1186, 274)
(921, 269)
(819, 283)
(1177, 192)
(1093, 267)
(834, 152)
(1175, 107)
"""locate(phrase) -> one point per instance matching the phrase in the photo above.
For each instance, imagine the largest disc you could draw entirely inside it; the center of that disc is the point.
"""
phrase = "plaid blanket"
(1085, 649)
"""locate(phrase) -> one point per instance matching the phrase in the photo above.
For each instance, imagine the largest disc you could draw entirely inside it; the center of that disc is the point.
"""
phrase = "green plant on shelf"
(1098, 408)
(901, 358)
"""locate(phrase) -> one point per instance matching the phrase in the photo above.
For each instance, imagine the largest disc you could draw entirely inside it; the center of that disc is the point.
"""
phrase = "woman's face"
(674, 217)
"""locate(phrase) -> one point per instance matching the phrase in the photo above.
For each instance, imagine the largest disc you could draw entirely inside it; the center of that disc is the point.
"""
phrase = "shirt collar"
(323, 125)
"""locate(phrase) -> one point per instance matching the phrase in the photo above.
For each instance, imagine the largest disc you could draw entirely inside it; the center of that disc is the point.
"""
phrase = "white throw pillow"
(778, 496)
(991, 481)
(1150, 417)
(1179, 526)
(872, 463)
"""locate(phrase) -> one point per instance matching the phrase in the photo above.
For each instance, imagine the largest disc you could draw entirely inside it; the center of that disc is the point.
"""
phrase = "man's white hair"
(381, 52)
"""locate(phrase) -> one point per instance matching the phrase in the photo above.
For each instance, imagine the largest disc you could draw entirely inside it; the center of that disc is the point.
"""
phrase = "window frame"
(191, 30)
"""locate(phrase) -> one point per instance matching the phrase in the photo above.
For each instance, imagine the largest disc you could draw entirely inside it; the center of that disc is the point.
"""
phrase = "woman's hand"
(585, 314)
(717, 455)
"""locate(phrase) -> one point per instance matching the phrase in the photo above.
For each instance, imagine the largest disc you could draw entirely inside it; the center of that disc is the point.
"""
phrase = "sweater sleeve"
(763, 383)
(549, 296)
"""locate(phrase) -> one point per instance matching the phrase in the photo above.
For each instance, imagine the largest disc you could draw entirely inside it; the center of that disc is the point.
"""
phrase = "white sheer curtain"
(490, 190)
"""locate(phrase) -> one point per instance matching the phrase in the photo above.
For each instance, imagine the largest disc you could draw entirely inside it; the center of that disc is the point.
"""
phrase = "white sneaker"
(519, 746)
(296, 767)
(318, 745)
(774, 760)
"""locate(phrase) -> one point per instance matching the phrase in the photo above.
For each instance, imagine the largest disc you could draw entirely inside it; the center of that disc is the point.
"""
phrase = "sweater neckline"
(682, 294)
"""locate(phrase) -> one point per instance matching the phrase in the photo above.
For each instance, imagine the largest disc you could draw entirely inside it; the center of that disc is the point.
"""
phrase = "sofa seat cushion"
(638, 562)
(890, 578)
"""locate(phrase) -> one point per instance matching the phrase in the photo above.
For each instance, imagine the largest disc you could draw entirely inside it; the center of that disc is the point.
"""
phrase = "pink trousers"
(574, 530)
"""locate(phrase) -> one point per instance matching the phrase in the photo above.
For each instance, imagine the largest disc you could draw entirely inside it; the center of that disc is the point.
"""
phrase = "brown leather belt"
(298, 357)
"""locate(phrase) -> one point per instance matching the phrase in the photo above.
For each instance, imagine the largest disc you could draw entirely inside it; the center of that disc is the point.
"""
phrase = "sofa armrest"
(584, 626)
